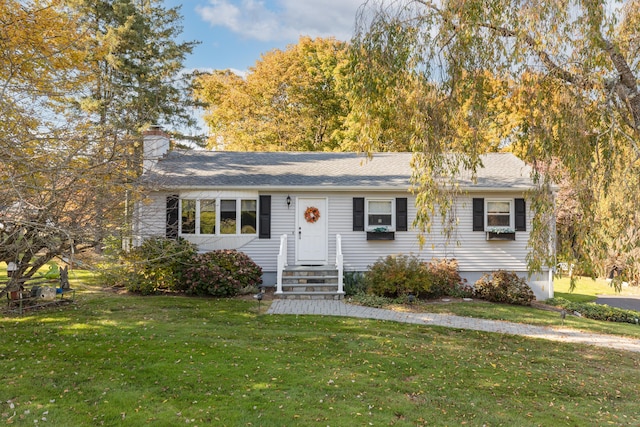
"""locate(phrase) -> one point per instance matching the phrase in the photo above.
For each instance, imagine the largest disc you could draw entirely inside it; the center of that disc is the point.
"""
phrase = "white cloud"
(285, 20)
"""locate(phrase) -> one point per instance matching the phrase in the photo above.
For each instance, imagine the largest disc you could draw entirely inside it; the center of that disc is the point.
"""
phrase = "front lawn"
(587, 289)
(522, 314)
(114, 359)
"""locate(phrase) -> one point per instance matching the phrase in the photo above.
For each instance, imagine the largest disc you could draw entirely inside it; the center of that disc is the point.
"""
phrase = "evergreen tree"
(139, 77)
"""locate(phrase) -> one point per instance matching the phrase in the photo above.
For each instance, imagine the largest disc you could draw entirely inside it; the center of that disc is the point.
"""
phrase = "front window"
(188, 215)
(499, 214)
(219, 216)
(248, 215)
(227, 217)
(207, 217)
(379, 214)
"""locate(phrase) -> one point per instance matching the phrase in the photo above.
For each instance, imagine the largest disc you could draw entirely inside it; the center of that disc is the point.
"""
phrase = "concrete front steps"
(310, 283)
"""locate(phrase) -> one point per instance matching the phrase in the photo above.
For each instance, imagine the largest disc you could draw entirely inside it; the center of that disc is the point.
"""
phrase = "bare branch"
(626, 86)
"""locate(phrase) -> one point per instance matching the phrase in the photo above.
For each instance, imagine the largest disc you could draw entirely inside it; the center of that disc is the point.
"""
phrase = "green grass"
(587, 289)
(114, 359)
(75, 275)
(528, 315)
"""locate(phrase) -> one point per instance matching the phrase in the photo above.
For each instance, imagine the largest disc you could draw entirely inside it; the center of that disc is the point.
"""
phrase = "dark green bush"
(558, 302)
(503, 286)
(595, 311)
(354, 283)
(397, 275)
(222, 273)
(158, 264)
(370, 300)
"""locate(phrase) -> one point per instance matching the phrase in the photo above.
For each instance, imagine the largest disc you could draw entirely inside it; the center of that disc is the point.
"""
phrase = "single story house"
(297, 212)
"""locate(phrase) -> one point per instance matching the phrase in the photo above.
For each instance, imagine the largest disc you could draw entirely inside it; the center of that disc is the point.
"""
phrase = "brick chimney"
(155, 146)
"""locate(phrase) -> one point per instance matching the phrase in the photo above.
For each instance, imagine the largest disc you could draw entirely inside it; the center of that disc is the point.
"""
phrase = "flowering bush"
(222, 273)
(504, 286)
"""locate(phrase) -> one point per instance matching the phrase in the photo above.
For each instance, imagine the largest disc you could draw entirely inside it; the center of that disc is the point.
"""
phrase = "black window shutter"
(265, 217)
(478, 214)
(172, 216)
(358, 214)
(521, 215)
(401, 214)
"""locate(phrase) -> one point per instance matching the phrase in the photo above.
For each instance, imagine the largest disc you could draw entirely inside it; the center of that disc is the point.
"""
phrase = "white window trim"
(371, 227)
(217, 204)
(512, 214)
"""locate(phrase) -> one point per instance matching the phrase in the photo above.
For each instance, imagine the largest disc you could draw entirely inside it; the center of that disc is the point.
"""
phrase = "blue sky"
(234, 33)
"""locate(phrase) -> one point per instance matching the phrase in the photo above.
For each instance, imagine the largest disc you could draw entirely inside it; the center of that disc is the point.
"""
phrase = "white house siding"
(150, 217)
(358, 252)
(151, 222)
(471, 249)
(475, 255)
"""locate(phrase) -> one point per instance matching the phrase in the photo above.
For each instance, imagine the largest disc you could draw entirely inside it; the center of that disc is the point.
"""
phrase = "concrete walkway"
(339, 308)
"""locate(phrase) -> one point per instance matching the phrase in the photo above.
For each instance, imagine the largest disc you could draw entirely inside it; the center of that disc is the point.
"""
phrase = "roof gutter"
(341, 189)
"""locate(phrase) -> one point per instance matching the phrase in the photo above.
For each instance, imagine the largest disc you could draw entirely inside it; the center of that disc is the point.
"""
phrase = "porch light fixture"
(288, 201)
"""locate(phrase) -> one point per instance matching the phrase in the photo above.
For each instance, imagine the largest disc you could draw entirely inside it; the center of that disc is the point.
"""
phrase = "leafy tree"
(66, 166)
(41, 154)
(290, 100)
(41, 54)
(137, 77)
(557, 81)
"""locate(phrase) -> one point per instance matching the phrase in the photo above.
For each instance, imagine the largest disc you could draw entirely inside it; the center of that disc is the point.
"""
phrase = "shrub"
(503, 286)
(462, 290)
(595, 311)
(354, 283)
(397, 275)
(158, 264)
(370, 300)
(444, 278)
(222, 273)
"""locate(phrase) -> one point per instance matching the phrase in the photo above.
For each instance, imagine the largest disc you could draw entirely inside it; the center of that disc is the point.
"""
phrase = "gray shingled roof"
(285, 170)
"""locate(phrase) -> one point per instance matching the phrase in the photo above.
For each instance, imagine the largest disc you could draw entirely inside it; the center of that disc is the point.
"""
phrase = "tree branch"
(553, 68)
(546, 59)
(625, 85)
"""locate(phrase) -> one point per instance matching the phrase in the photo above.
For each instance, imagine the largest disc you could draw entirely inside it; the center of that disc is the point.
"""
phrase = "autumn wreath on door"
(312, 214)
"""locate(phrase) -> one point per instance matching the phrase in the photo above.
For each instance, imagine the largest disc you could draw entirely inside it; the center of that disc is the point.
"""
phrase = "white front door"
(311, 239)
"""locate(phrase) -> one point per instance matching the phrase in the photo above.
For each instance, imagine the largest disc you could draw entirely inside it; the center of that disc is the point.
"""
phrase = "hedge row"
(395, 277)
(595, 311)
